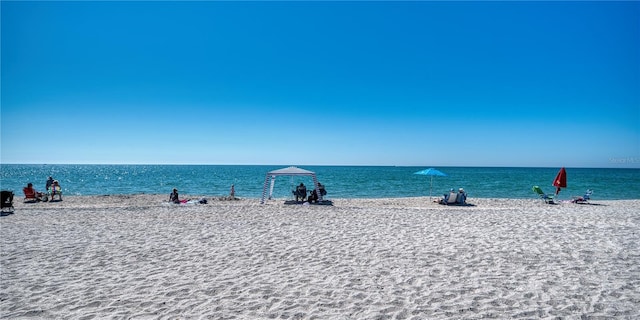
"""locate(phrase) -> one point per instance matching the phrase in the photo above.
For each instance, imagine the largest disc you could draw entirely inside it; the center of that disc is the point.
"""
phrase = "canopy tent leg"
(317, 187)
(264, 188)
(273, 182)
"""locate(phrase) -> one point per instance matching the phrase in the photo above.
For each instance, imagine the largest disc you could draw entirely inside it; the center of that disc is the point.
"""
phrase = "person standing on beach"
(173, 197)
(49, 183)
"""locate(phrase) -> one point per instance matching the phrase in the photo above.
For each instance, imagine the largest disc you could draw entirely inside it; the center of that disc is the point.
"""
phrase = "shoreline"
(152, 200)
(341, 182)
(137, 256)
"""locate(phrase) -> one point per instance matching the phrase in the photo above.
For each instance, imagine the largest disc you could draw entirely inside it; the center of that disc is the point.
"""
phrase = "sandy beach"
(138, 257)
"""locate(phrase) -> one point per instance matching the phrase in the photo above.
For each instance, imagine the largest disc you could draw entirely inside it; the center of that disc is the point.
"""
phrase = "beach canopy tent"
(289, 171)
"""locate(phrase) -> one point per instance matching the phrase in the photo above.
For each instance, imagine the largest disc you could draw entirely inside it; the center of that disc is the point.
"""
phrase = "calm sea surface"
(340, 181)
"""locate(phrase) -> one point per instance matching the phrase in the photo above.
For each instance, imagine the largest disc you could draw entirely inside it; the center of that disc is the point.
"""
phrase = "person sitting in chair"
(323, 191)
(462, 196)
(301, 192)
(313, 195)
(30, 194)
(445, 197)
(55, 189)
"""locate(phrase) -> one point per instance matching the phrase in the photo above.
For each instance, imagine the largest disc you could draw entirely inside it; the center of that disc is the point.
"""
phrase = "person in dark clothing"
(173, 197)
(301, 192)
(313, 196)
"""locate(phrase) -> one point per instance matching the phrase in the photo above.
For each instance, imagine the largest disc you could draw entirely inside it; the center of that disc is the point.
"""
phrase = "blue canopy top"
(432, 172)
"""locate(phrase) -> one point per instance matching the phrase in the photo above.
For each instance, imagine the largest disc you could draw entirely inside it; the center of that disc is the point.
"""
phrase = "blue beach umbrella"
(431, 172)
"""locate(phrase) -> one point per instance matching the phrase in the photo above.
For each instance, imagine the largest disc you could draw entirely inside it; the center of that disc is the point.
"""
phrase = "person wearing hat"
(462, 196)
(56, 189)
(446, 196)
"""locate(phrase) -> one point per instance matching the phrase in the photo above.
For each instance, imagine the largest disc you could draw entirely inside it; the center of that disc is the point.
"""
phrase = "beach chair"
(461, 198)
(313, 194)
(300, 193)
(546, 197)
(584, 199)
(29, 195)
(55, 190)
(451, 198)
(6, 201)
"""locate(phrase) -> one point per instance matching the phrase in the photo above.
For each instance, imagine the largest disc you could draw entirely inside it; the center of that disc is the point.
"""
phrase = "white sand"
(136, 257)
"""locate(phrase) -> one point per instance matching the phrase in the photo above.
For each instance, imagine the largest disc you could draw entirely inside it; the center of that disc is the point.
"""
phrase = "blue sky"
(322, 83)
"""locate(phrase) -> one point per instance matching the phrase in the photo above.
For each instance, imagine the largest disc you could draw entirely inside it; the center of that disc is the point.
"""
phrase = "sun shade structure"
(431, 172)
(561, 180)
(289, 171)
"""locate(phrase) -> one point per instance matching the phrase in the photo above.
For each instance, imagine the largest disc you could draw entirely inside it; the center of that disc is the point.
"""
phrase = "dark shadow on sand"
(457, 204)
(319, 203)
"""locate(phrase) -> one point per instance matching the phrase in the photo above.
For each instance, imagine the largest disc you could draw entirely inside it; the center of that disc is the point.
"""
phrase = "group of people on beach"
(452, 197)
(52, 188)
(174, 197)
(301, 193)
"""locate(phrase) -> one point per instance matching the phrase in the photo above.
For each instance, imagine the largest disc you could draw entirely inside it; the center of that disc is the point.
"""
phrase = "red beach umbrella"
(561, 180)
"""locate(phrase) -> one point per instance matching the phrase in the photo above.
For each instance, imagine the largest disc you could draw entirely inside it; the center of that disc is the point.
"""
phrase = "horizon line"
(325, 165)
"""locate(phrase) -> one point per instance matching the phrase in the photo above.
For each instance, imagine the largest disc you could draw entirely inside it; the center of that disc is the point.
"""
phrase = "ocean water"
(340, 181)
